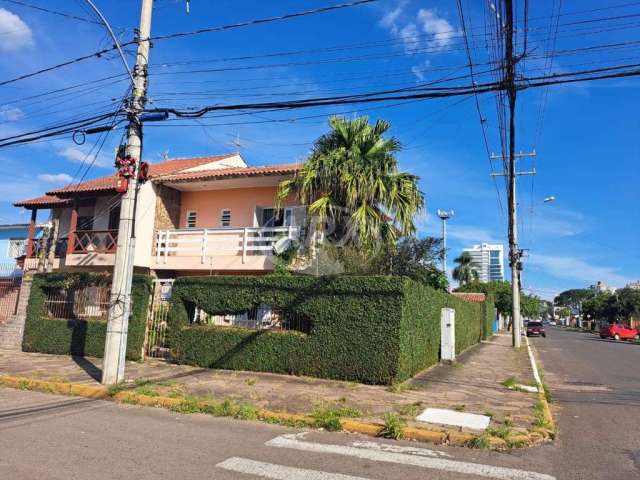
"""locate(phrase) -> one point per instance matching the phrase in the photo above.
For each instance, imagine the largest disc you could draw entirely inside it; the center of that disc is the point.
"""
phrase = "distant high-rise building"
(488, 260)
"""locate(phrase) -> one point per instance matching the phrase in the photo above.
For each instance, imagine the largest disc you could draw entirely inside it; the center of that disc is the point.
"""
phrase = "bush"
(81, 337)
(375, 329)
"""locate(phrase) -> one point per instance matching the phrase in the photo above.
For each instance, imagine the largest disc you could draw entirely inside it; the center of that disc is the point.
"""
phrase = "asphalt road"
(596, 386)
(51, 437)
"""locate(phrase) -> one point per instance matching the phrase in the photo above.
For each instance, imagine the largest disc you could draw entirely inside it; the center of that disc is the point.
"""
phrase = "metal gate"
(10, 281)
(155, 343)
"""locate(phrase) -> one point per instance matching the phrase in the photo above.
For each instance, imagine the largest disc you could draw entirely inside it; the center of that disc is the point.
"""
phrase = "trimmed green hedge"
(372, 329)
(81, 337)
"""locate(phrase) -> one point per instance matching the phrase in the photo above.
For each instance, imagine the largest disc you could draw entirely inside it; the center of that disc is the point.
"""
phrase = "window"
(114, 218)
(277, 218)
(225, 217)
(85, 222)
(16, 247)
(192, 217)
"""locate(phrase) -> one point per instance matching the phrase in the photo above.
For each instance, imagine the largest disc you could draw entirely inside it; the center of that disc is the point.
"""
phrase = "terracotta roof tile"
(42, 202)
(231, 173)
(471, 297)
(164, 168)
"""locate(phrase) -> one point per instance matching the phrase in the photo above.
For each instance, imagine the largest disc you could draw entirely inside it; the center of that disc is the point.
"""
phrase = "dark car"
(535, 329)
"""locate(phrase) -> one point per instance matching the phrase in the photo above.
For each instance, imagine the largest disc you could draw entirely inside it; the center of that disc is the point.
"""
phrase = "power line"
(260, 21)
(53, 12)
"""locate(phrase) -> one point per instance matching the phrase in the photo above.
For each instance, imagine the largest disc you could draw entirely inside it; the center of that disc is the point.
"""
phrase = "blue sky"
(588, 149)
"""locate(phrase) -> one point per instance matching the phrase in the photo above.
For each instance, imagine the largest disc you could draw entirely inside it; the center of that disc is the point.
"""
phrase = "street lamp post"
(444, 216)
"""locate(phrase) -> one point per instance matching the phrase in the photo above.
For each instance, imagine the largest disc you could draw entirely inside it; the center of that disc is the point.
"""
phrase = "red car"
(535, 328)
(619, 332)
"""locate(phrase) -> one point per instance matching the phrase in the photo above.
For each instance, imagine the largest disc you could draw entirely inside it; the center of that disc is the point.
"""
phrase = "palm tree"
(351, 180)
(465, 272)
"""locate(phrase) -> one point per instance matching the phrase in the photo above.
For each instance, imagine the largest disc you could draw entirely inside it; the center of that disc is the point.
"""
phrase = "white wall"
(145, 218)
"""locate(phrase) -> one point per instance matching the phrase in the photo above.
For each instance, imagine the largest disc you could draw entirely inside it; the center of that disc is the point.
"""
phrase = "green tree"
(501, 292)
(411, 257)
(564, 312)
(573, 298)
(464, 272)
(628, 303)
(351, 180)
(530, 306)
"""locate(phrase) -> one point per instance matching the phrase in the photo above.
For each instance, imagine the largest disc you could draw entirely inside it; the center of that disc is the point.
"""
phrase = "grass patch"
(457, 364)
(538, 413)
(411, 409)
(400, 387)
(117, 388)
(393, 426)
(481, 442)
(250, 381)
(547, 393)
(147, 390)
(328, 416)
(510, 382)
(459, 408)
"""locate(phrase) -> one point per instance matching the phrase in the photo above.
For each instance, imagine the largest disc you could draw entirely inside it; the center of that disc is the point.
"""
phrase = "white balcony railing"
(213, 242)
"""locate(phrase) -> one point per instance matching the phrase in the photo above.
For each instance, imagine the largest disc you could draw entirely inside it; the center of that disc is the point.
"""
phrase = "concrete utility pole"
(120, 306)
(444, 216)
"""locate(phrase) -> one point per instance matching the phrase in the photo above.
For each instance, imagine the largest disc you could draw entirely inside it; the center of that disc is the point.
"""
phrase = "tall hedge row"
(372, 329)
(80, 337)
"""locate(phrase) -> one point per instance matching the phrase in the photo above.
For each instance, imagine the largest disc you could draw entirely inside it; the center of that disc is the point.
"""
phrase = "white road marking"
(527, 388)
(442, 416)
(385, 447)
(279, 472)
(294, 441)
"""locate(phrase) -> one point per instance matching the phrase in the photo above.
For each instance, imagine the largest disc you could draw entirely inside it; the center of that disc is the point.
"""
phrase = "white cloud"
(577, 269)
(15, 33)
(429, 224)
(10, 114)
(391, 17)
(550, 220)
(418, 70)
(76, 155)
(427, 30)
(440, 32)
(55, 177)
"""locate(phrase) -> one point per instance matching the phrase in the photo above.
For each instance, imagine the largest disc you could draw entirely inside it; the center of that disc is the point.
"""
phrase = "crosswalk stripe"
(294, 441)
(279, 472)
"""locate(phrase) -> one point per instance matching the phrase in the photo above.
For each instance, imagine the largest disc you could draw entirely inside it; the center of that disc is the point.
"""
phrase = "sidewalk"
(473, 385)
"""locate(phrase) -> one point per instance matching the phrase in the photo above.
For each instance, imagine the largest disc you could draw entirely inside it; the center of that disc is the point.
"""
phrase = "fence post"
(204, 245)
(166, 245)
(244, 244)
(448, 335)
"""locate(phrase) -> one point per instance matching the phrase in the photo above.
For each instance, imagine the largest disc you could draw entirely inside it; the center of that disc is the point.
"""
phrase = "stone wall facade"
(12, 331)
(167, 215)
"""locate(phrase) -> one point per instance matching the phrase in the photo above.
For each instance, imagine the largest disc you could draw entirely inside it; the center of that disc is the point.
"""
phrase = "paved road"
(51, 437)
(596, 385)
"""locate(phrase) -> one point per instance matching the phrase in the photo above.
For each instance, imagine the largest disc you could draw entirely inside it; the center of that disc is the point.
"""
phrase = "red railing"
(60, 249)
(95, 241)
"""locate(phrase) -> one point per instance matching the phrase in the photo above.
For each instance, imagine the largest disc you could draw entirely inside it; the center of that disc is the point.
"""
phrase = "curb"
(542, 398)
(373, 429)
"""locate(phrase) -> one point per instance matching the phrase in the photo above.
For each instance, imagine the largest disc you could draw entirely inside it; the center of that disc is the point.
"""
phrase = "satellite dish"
(282, 245)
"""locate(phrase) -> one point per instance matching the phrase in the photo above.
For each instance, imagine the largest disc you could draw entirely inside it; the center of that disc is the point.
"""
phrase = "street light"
(444, 216)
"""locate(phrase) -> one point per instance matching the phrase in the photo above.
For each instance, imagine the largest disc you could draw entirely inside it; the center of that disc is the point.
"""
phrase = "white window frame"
(195, 219)
(224, 211)
(16, 241)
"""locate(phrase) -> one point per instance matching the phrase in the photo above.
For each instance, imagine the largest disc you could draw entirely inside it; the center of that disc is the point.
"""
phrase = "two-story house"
(205, 215)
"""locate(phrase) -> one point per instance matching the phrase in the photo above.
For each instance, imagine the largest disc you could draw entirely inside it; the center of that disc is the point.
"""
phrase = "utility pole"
(444, 216)
(120, 305)
(514, 253)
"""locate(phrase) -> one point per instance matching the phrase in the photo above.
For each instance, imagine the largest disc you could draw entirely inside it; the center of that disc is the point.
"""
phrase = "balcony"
(247, 249)
(95, 241)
